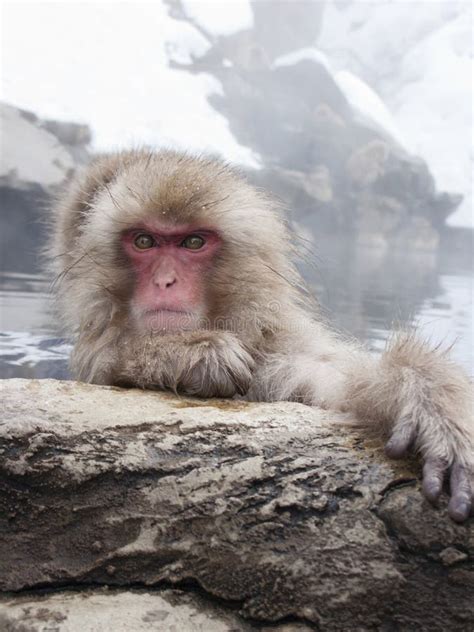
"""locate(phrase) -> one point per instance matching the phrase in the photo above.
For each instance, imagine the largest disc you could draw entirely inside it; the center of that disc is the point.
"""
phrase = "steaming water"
(365, 293)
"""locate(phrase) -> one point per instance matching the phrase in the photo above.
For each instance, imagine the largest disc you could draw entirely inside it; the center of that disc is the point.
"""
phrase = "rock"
(30, 154)
(38, 153)
(316, 184)
(37, 157)
(451, 555)
(117, 611)
(68, 133)
(292, 25)
(367, 164)
(75, 137)
(284, 100)
(265, 510)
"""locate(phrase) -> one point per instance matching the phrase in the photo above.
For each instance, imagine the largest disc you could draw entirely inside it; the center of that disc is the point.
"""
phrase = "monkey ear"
(99, 174)
(74, 204)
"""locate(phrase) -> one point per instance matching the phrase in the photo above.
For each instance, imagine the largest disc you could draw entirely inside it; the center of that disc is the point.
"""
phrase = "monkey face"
(170, 266)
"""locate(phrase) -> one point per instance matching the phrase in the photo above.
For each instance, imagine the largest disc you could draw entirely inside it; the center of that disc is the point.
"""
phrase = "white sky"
(106, 64)
(223, 17)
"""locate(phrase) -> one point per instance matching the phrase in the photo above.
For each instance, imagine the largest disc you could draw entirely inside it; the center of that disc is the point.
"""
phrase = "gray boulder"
(267, 511)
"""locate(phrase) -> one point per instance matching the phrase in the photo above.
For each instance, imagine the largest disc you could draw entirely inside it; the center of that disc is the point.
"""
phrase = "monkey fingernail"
(432, 489)
(394, 450)
(400, 441)
(433, 475)
(459, 510)
(396, 447)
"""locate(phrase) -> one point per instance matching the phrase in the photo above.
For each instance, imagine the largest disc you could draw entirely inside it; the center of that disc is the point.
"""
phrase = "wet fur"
(262, 337)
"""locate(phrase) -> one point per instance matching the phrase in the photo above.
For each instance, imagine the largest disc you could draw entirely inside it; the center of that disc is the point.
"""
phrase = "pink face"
(170, 266)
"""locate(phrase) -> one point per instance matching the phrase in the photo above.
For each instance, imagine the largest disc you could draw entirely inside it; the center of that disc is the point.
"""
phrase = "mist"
(356, 115)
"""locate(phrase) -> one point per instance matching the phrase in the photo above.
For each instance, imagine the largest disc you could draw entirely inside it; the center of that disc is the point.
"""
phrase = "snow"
(185, 43)
(312, 54)
(220, 18)
(106, 64)
(359, 94)
(367, 102)
(434, 108)
(418, 57)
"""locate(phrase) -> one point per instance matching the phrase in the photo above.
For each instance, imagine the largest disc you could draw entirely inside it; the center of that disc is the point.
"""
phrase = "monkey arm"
(417, 397)
(424, 401)
(202, 363)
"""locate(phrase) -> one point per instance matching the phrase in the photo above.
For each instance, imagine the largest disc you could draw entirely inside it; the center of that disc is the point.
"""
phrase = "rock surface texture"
(213, 515)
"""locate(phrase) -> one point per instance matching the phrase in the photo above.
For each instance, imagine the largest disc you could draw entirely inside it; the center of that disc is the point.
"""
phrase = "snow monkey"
(174, 273)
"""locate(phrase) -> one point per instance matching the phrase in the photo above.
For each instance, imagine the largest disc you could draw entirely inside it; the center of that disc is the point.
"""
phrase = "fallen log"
(271, 511)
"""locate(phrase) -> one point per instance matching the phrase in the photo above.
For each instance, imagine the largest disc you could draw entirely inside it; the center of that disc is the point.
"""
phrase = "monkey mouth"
(167, 310)
(167, 319)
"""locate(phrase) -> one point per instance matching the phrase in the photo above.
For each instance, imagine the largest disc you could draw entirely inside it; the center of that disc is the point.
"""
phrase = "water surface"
(366, 293)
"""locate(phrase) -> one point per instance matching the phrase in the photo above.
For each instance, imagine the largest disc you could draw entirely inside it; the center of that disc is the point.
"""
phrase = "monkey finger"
(460, 503)
(402, 438)
(433, 476)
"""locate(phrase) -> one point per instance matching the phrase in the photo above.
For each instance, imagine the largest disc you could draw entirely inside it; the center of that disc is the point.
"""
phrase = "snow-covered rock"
(329, 145)
(301, 54)
(36, 157)
(418, 57)
(30, 153)
(367, 103)
(266, 88)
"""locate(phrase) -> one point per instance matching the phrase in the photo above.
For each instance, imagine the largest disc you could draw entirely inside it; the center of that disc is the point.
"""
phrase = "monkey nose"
(164, 281)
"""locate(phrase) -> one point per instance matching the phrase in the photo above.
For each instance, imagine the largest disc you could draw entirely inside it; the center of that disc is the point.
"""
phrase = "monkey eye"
(193, 242)
(143, 241)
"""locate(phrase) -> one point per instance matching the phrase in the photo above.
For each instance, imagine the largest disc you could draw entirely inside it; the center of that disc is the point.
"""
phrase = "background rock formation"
(294, 84)
(266, 512)
(36, 157)
(330, 162)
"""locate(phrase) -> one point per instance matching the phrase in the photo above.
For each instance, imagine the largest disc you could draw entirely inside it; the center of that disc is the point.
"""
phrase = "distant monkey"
(174, 273)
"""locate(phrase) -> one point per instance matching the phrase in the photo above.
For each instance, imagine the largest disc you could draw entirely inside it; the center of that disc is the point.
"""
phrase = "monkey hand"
(214, 364)
(446, 450)
(200, 363)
